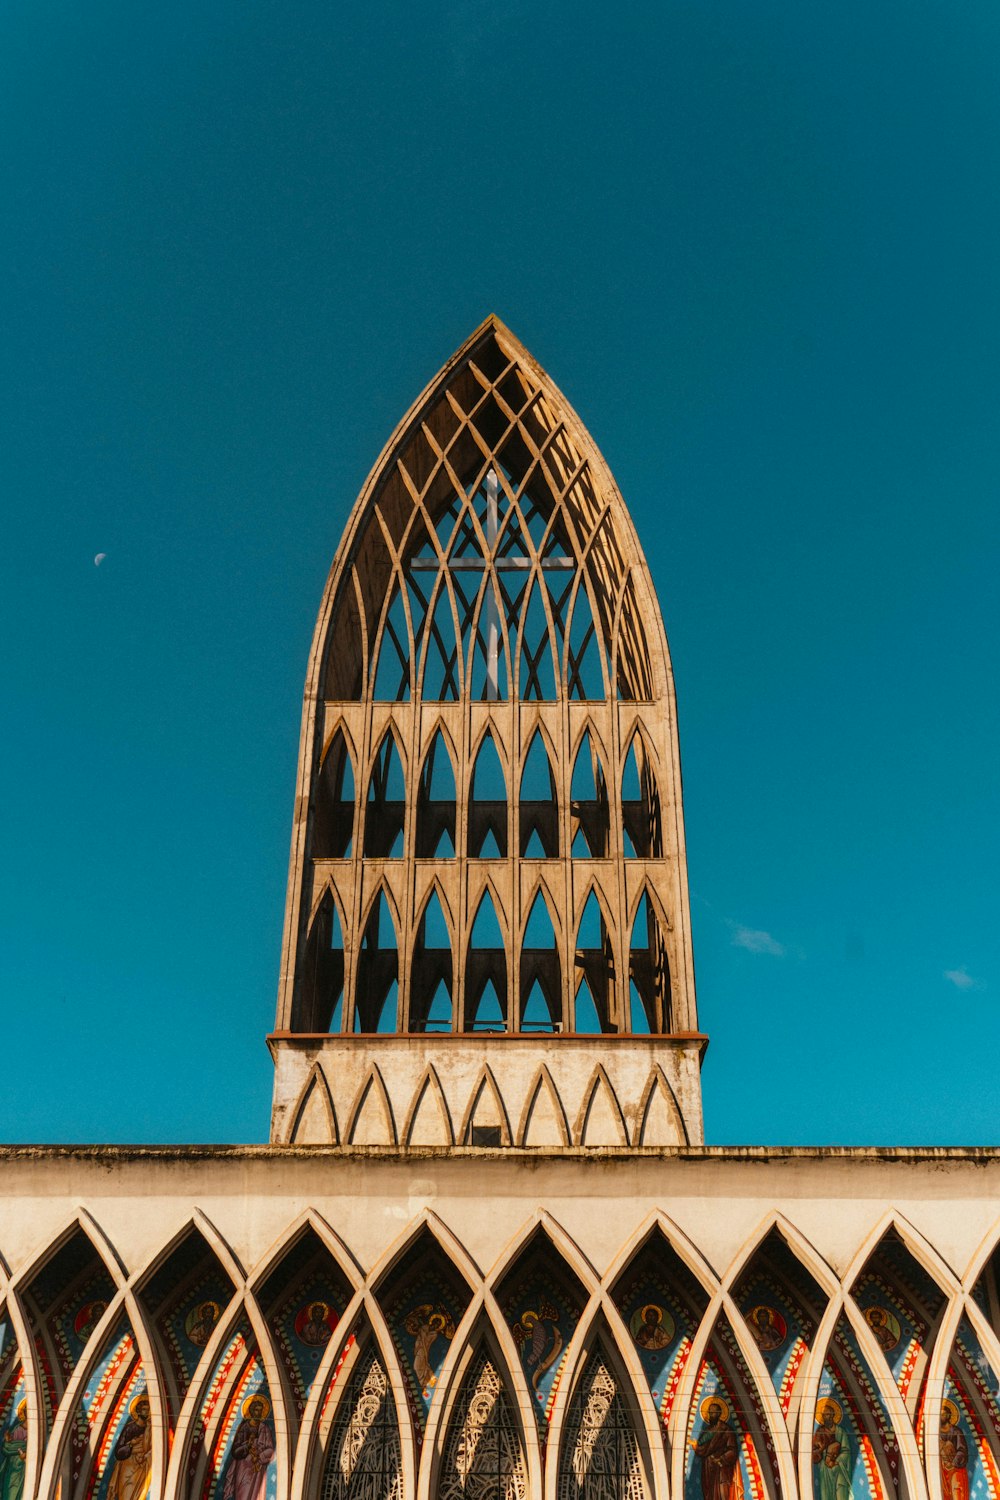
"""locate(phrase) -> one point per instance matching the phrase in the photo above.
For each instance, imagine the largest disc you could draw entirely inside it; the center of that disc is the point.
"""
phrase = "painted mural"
(238, 1358)
(730, 1453)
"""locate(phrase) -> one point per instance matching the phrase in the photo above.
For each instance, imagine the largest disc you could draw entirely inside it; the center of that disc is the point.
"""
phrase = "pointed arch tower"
(489, 596)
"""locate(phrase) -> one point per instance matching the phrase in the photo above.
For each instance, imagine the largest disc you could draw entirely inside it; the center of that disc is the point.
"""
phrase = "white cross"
(501, 564)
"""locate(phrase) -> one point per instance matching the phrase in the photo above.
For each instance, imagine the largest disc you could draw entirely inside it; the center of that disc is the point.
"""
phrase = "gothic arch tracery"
(489, 567)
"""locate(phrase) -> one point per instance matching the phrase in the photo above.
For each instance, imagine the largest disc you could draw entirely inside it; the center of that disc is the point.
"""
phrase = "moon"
(99, 559)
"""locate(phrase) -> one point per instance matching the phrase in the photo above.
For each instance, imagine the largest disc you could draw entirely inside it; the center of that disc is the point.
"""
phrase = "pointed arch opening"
(782, 1304)
(321, 985)
(385, 808)
(585, 669)
(662, 1303)
(541, 1298)
(642, 816)
(424, 1297)
(649, 973)
(333, 825)
(851, 1414)
(363, 1457)
(441, 674)
(392, 668)
(184, 1299)
(344, 675)
(538, 804)
(436, 835)
(488, 804)
(377, 984)
(483, 1452)
(731, 1448)
(65, 1301)
(303, 1298)
(903, 1306)
(601, 1454)
(536, 661)
(541, 974)
(589, 807)
(432, 971)
(594, 972)
(486, 971)
(968, 1419)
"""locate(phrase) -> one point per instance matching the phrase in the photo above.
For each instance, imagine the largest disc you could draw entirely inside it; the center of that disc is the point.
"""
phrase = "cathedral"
(487, 1254)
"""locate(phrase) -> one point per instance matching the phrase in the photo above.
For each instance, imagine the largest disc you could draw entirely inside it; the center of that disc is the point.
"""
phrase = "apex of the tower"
(488, 875)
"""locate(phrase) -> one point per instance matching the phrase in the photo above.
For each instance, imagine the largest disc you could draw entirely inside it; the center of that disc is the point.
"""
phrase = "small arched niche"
(333, 824)
(377, 985)
(436, 803)
(432, 971)
(649, 973)
(486, 971)
(321, 989)
(538, 814)
(594, 972)
(642, 817)
(488, 804)
(385, 807)
(541, 974)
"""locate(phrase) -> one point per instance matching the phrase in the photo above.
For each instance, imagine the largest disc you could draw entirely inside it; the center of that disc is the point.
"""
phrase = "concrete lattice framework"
(488, 843)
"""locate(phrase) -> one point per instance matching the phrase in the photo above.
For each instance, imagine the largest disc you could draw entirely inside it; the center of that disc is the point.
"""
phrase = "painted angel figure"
(427, 1324)
(538, 1333)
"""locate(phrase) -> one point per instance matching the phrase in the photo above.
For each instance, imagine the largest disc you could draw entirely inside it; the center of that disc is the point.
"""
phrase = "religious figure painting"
(314, 1323)
(954, 1454)
(652, 1327)
(884, 1326)
(132, 1459)
(831, 1452)
(87, 1319)
(13, 1451)
(427, 1324)
(538, 1337)
(199, 1325)
(768, 1327)
(717, 1449)
(251, 1453)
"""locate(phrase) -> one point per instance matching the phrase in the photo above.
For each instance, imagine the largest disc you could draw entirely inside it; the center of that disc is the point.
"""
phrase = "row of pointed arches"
(369, 989)
(378, 827)
(423, 1377)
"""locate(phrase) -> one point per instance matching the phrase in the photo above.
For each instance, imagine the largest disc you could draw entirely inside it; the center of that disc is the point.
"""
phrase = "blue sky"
(757, 246)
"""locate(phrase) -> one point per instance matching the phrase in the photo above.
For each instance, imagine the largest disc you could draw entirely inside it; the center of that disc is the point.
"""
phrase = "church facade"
(486, 1254)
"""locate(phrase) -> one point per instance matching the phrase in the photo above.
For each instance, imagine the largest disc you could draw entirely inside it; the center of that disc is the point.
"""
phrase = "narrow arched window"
(377, 987)
(541, 979)
(436, 803)
(363, 1456)
(538, 816)
(642, 822)
(594, 971)
(589, 794)
(600, 1457)
(431, 972)
(488, 805)
(386, 805)
(392, 670)
(584, 663)
(321, 988)
(649, 973)
(333, 825)
(486, 972)
(483, 1451)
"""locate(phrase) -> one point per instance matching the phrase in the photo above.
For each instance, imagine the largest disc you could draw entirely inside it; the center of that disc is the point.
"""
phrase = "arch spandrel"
(491, 508)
